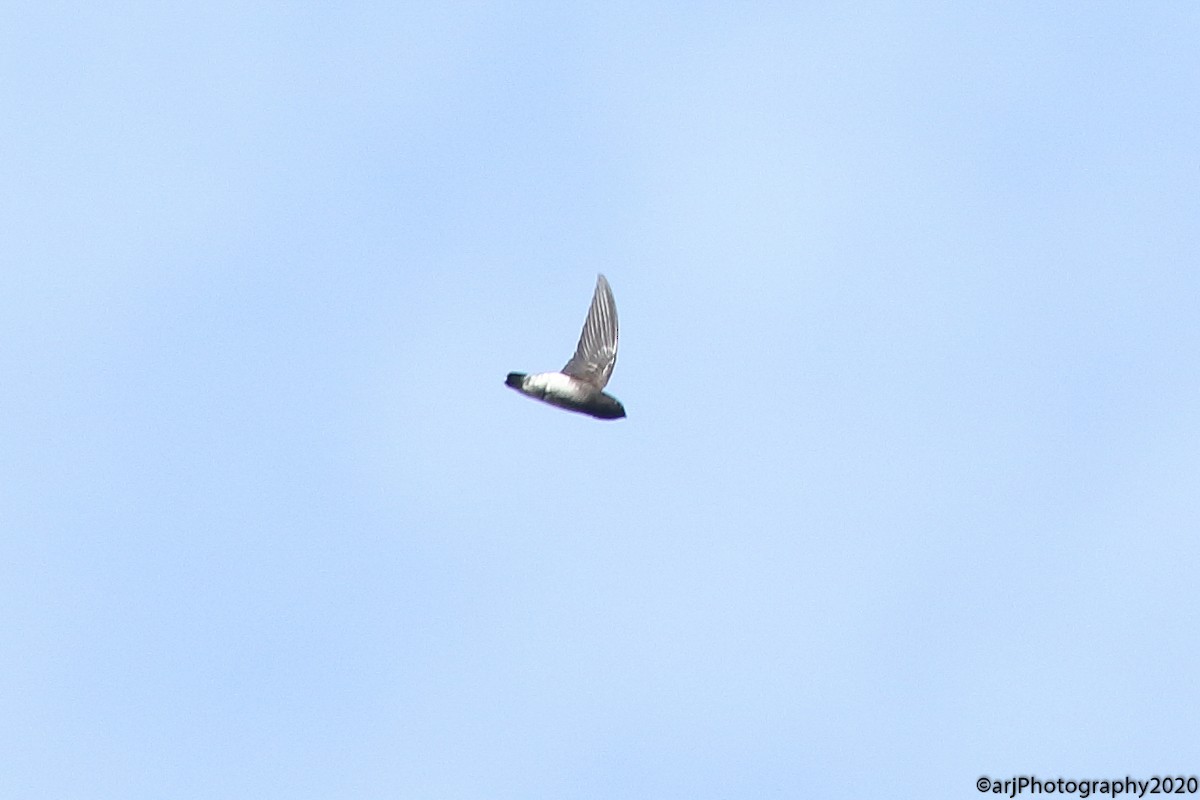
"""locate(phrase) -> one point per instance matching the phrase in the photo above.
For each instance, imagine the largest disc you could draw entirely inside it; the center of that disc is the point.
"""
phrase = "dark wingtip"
(514, 379)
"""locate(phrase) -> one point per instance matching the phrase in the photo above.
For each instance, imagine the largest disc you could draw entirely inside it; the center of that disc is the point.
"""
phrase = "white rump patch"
(555, 384)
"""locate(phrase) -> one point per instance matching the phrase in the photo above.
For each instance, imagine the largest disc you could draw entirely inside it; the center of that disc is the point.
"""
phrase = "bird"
(580, 385)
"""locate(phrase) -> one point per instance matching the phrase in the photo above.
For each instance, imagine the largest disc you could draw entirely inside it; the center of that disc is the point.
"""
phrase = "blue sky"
(907, 493)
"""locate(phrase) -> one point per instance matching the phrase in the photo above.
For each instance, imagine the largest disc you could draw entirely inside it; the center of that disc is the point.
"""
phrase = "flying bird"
(580, 385)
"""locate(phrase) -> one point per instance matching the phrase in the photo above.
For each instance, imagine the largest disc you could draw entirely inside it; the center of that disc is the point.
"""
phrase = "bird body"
(580, 384)
(566, 392)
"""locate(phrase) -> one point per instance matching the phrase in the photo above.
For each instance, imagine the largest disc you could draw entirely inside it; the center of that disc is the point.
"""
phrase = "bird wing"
(596, 353)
